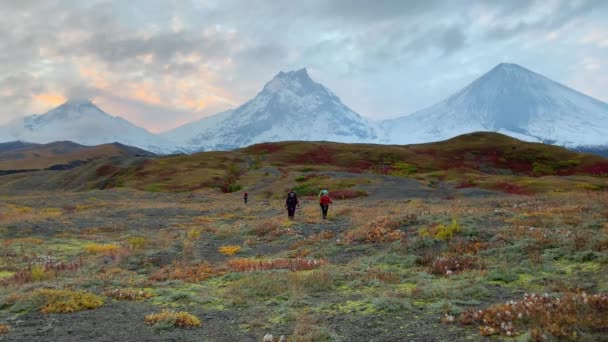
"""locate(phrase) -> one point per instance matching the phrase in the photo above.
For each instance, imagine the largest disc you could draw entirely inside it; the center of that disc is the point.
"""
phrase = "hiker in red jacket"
(245, 197)
(324, 202)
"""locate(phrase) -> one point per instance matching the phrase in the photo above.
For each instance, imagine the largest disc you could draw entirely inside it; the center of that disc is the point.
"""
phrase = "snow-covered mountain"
(289, 107)
(84, 123)
(509, 99)
(514, 101)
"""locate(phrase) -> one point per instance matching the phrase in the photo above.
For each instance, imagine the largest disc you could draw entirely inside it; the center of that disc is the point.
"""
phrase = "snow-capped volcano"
(84, 123)
(289, 107)
(512, 100)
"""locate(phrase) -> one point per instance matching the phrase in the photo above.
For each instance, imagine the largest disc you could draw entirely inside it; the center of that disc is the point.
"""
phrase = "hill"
(488, 160)
(18, 157)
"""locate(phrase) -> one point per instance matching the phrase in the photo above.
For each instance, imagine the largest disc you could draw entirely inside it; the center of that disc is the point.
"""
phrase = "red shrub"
(453, 264)
(599, 168)
(265, 148)
(511, 188)
(320, 155)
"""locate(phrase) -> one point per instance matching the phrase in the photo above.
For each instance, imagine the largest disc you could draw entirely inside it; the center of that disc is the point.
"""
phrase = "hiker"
(245, 196)
(324, 202)
(291, 203)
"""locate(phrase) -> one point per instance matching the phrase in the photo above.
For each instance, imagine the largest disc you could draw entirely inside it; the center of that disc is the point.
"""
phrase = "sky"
(163, 63)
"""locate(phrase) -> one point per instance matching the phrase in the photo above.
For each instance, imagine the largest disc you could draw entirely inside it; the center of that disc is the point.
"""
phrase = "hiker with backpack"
(291, 203)
(324, 202)
(245, 197)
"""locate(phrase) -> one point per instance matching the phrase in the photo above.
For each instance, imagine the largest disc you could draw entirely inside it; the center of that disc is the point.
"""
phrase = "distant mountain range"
(508, 99)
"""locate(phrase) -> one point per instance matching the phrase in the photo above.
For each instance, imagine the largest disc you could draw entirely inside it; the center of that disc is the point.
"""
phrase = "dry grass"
(298, 264)
(187, 273)
(382, 229)
(126, 294)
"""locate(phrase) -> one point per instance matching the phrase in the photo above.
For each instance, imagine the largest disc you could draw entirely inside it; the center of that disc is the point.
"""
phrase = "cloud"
(160, 63)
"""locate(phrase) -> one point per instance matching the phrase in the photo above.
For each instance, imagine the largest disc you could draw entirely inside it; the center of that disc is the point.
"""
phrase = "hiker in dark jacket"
(324, 202)
(245, 196)
(291, 203)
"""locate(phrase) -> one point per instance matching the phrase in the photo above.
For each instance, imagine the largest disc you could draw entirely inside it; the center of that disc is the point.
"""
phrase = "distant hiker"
(291, 203)
(245, 196)
(324, 202)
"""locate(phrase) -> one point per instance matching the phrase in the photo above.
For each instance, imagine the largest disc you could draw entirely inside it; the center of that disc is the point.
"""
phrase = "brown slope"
(60, 155)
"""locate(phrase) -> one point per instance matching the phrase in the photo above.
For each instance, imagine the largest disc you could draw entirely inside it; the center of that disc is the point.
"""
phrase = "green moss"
(350, 307)
(6, 274)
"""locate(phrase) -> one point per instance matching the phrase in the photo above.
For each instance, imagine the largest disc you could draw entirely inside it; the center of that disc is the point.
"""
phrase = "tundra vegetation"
(481, 238)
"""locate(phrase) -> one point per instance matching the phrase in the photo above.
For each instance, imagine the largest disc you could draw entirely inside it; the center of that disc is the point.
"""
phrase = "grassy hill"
(486, 160)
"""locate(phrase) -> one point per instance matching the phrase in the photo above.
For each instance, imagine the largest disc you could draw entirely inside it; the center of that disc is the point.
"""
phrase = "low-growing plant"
(179, 319)
(313, 239)
(187, 273)
(382, 229)
(273, 228)
(41, 269)
(542, 315)
(97, 248)
(65, 301)
(297, 264)
(136, 242)
(126, 294)
(441, 232)
(229, 250)
(466, 246)
(449, 265)
(4, 329)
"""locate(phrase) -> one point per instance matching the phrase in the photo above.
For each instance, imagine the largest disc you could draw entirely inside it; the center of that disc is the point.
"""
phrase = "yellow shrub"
(229, 250)
(97, 248)
(39, 273)
(441, 232)
(194, 234)
(286, 223)
(180, 319)
(4, 329)
(137, 242)
(448, 232)
(65, 301)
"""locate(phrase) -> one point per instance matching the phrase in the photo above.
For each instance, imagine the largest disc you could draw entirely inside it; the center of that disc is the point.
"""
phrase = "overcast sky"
(161, 63)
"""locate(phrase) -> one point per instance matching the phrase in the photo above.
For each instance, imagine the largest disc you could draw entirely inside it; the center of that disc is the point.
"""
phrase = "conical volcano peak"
(297, 81)
(75, 104)
(294, 74)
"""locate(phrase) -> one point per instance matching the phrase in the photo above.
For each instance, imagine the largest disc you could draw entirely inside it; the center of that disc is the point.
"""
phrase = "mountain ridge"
(508, 99)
